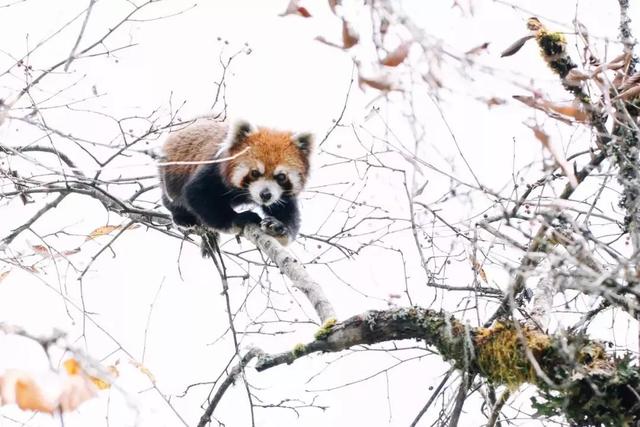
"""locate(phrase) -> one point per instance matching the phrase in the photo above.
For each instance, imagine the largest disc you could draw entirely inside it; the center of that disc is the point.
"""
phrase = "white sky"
(289, 81)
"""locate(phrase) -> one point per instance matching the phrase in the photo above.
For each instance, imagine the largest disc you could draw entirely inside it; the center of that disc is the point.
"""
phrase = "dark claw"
(273, 227)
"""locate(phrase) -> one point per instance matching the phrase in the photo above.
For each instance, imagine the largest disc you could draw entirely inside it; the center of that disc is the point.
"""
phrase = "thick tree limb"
(435, 328)
(575, 376)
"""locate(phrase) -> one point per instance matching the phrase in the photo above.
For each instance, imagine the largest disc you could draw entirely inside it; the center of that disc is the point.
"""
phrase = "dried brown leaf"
(302, 11)
(40, 249)
(379, 83)
(350, 36)
(575, 77)
(478, 49)
(293, 8)
(557, 111)
(70, 252)
(494, 101)
(477, 267)
(630, 81)
(557, 155)
(629, 93)
(397, 56)
(516, 46)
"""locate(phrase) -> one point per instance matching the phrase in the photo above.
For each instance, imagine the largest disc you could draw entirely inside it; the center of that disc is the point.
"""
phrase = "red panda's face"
(270, 165)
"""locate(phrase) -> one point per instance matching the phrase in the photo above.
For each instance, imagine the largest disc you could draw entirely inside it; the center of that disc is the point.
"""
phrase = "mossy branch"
(575, 376)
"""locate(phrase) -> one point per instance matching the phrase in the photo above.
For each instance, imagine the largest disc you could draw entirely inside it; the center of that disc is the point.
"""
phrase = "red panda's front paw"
(273, 227)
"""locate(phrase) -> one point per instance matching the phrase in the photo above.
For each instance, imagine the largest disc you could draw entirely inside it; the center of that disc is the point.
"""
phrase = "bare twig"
(228, 381)
(72, 55)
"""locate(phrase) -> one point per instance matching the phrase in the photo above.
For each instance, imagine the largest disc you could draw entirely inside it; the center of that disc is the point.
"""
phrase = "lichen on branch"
(553, 49)
(575, 376)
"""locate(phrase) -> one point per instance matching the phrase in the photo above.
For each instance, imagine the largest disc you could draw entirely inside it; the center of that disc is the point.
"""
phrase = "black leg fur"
(211, 200)
(181, 215)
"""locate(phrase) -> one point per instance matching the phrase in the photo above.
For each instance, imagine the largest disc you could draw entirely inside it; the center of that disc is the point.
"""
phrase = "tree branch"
(293, 269)
(231, 378)
(574, 375)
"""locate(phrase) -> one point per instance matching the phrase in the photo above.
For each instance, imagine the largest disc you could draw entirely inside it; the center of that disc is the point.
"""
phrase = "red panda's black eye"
(281, 178)
(255, 173)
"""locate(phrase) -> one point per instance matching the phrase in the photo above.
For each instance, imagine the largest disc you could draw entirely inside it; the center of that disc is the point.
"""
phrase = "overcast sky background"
(289, 81)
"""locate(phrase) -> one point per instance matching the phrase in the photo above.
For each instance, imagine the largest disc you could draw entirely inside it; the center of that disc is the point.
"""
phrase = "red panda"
(211, 167)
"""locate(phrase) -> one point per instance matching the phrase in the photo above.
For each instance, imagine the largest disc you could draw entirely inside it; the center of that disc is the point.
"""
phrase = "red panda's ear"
(238, 131)
(305, 142)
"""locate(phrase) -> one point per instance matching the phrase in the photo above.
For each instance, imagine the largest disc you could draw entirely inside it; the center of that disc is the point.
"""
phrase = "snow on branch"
(293, 269)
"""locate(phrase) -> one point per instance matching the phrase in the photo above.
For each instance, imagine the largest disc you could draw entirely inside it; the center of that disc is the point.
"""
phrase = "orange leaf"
(20, 387)
(395, 58)
(570, 111)
(349, 36)
(144, 370)
(101, 231)
(565, 110)
(72, 366)
(102, 384)
(30, 397)
(4, 275)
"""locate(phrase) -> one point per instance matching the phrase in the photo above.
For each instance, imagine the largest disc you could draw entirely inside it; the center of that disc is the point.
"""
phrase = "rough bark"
(575, 376)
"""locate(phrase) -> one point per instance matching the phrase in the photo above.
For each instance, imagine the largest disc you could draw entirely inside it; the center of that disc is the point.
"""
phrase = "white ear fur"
(305, 141)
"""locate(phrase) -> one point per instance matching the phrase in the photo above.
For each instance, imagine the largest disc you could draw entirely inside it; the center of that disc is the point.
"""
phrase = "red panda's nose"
(265, 195)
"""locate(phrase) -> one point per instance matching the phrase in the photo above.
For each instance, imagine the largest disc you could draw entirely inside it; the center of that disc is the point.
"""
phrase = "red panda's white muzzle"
(265, 191)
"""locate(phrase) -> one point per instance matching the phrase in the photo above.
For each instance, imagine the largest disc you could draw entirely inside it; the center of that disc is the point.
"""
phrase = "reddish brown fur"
(201, 141)
(271, 147)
